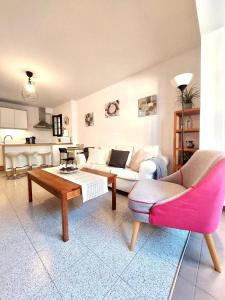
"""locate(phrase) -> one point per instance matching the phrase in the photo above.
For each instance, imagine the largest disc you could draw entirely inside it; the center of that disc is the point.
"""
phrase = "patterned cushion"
(147, 192)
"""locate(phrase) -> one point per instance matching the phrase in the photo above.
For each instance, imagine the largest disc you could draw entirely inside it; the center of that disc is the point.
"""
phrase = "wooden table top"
(97, 172)
(58, 185)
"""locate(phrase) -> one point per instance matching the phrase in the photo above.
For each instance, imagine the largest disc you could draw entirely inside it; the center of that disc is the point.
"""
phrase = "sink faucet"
(8, 135)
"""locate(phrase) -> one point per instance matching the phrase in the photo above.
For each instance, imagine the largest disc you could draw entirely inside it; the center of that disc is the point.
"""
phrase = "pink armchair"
(191, 199)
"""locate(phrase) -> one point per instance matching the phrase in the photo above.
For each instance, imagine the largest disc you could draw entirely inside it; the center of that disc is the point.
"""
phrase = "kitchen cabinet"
(20, 119)
(6, 117)
(13, 118)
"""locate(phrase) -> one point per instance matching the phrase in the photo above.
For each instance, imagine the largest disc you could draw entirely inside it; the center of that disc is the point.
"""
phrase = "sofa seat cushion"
(126, 173)
(103, 168)
(147, 192)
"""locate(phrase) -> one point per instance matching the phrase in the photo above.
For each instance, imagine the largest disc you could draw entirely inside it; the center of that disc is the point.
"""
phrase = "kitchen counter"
(37, 160)
(37, 144)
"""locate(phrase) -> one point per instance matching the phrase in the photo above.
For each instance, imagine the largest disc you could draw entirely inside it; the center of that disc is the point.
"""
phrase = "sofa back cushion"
(118, 158)
(96, 156)
(107, 150)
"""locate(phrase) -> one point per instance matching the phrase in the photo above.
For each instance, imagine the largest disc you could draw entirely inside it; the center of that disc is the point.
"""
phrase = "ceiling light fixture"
(29, 90)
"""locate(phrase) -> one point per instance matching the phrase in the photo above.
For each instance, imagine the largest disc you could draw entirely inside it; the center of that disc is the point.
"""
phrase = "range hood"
(42, 122)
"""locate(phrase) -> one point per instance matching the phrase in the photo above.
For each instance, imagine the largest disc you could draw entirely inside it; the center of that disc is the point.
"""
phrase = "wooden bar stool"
(13, 158)
(29, 156)
(46, 158)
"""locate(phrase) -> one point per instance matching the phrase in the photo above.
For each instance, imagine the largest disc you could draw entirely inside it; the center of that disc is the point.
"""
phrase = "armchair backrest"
(199, 166)
(199, 208)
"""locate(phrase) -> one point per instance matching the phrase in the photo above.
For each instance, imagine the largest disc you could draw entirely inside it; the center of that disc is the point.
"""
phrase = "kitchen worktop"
(37, 144)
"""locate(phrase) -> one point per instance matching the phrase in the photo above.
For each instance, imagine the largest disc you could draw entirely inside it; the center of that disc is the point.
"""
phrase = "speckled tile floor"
(95, 263)
(197, 280)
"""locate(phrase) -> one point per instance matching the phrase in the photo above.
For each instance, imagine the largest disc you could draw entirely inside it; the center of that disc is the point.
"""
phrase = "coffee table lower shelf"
(65, 190)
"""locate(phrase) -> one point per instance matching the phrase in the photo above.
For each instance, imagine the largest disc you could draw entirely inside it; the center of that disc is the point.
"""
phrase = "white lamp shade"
(182, 79)
(29, 92)
(30, 88)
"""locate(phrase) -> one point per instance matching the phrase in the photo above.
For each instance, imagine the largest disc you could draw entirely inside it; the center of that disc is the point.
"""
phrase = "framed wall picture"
(89, 119)
(112, 109)
(147, 106)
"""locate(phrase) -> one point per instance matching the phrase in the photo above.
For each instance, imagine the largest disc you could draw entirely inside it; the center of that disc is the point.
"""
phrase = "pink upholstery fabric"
(199, 209)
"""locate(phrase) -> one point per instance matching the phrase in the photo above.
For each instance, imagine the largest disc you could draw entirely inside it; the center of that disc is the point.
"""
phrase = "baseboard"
(178, 267)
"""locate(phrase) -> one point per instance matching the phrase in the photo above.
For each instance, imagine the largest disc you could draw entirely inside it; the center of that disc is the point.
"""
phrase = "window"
(57, 125)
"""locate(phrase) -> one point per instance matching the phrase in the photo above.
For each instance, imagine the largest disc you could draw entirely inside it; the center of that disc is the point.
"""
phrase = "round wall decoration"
(112, 109)
(66, 120)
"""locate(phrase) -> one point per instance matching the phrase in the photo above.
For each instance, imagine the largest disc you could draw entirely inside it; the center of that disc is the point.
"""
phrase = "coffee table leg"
(29, 188)
(114, 194)
(64, 208)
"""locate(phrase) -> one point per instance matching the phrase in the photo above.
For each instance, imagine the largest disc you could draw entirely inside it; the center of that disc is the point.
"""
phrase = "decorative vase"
(187, 105)
(190, 144)
(188, 122)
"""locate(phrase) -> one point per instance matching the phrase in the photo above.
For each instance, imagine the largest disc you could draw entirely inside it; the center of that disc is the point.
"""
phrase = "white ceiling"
(211, 14)
(77, 47)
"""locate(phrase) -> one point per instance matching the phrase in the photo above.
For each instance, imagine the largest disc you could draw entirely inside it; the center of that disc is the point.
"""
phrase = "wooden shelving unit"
(188, 130)
(191, 133)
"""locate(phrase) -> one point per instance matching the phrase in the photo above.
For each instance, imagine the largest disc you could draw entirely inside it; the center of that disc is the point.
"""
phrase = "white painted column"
(212, 118)
(211, 15)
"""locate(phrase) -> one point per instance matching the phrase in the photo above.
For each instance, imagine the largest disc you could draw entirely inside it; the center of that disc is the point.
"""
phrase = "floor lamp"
(181, 81)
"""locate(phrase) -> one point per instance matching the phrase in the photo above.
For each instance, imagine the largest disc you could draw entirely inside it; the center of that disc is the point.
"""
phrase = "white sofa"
(126, 178)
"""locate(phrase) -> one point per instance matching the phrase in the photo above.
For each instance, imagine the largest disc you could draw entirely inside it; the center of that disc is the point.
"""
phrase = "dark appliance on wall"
(57, 126)
(31, 140)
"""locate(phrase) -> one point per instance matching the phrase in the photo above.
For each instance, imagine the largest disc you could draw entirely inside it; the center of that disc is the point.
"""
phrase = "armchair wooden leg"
(136, 227)
(212, 251)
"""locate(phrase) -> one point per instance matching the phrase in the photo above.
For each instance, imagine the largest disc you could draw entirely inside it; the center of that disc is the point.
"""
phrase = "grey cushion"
(147, 192)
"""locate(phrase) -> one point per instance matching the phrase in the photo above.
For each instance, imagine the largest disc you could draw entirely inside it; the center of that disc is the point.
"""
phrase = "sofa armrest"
(147, 169)
(166, 159)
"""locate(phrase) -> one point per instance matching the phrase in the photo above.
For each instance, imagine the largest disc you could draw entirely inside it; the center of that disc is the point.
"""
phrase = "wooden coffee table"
(65, 190)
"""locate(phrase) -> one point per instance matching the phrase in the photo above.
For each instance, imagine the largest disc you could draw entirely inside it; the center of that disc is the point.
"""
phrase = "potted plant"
(189, 95)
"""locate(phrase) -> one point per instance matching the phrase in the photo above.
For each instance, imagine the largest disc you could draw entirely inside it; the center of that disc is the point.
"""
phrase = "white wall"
(212, 134)
(128, 128)
(66, 110)
(213, 90)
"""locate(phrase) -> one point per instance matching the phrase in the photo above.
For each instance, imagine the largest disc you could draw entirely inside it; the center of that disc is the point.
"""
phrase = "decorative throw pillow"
(126, 148)
(141, 155)
(136, 160)
(118, 158)
(96, 156)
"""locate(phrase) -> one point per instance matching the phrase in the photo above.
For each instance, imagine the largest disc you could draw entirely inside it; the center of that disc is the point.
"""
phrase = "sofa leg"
(136, 227)
(213, 252)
